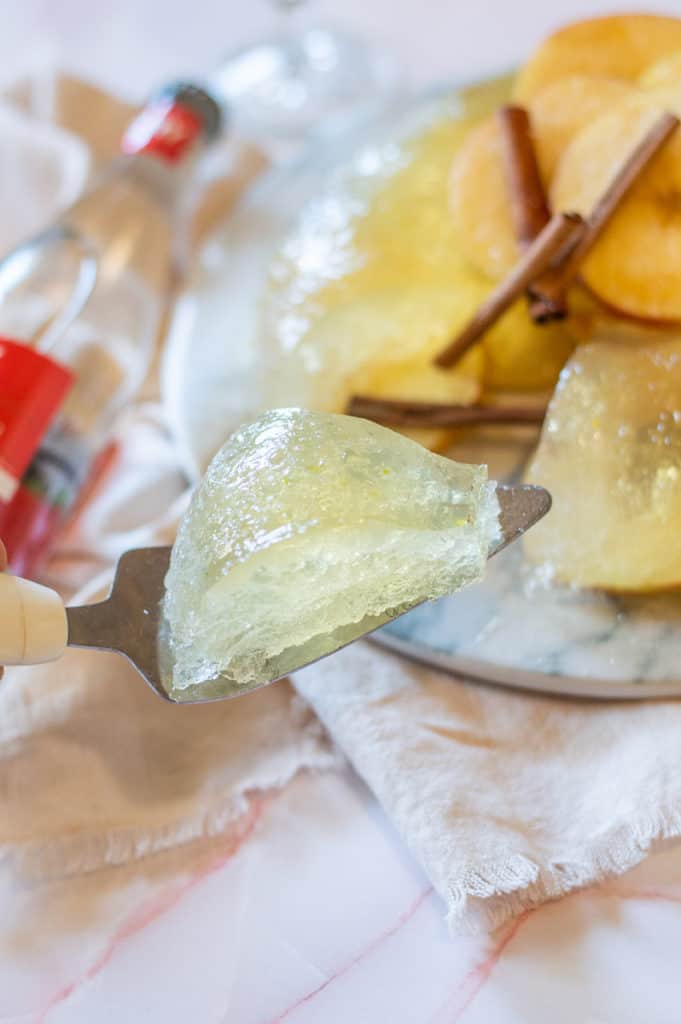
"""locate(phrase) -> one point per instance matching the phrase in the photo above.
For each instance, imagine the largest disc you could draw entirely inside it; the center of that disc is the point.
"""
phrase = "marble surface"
(319, 914)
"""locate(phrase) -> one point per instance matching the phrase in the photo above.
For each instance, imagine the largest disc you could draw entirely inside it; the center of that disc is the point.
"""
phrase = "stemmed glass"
(303, 82)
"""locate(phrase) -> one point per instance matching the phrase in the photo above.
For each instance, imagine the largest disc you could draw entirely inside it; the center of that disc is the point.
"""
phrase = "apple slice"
(562, 109)
(618, 46)
(666, 71)
(635, 266)
(383, 344)
(479, 200)
(610, 454)
(591, 320)
(419, 380)
(521, 356)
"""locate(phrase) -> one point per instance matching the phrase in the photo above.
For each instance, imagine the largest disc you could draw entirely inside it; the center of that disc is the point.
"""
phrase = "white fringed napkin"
(506, 799)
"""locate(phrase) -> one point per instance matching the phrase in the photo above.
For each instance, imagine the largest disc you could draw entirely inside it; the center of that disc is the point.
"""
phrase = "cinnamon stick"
(561, 229)
(548, 291)
(399, 413)
(529, 208)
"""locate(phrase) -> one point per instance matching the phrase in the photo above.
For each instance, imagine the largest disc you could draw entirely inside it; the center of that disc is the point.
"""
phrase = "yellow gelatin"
(610, 454)
(371, 279)
(308, 530)
(371, 284)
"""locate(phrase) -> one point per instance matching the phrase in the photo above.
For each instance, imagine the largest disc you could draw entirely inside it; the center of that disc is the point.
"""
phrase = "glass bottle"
(127, 219)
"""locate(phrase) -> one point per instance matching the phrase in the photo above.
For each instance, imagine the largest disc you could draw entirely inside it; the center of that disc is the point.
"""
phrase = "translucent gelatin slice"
(308, 530)
(610, 454)
(368, 281)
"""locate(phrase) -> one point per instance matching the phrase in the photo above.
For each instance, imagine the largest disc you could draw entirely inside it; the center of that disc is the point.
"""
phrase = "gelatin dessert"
(307, 530)
(610, 454)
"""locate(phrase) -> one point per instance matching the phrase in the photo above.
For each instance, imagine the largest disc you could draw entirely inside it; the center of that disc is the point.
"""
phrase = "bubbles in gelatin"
(308, 530)
(610, 454)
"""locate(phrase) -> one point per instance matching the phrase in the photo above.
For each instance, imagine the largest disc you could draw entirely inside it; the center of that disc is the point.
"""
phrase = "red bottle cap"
(32, 389)
(165, 129)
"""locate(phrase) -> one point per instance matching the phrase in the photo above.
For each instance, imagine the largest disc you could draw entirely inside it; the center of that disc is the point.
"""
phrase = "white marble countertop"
(317, 913)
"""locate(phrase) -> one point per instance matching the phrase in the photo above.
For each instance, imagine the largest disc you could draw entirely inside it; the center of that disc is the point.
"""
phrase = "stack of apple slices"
(392, 261)
(610, 450)
(592, 90)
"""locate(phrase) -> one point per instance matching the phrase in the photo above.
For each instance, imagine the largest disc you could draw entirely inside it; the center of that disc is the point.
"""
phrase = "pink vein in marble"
(367, 951)
(478, 977)
(652, 895)
(159, 904)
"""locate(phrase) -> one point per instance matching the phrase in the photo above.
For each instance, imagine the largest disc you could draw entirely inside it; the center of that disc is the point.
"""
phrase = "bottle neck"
(164, 183)
(160, 147)
(133, 212)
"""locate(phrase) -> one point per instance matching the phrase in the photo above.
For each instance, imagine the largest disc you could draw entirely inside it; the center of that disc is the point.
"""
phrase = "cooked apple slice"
(383, 344)
(562, 109)
(381, 221)
(387, 336)
(635, 266)
(521, 356)
(479, 200)
(618, 46)
(308, 530)
(591, 320)
(610, 454)
(666, 71)
(419, 380)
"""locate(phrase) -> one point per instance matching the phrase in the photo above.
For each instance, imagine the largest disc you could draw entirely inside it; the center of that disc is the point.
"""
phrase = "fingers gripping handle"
(33, 625)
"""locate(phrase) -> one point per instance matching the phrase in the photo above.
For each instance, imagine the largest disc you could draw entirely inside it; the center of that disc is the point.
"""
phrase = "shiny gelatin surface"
(308, 530)
(610, 454)
(365, 290)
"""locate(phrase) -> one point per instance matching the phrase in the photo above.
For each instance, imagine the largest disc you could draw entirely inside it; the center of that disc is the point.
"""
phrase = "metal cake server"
(35, 626)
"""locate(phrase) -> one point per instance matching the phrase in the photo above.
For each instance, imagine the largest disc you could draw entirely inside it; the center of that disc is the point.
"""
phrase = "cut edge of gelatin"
(316, 586)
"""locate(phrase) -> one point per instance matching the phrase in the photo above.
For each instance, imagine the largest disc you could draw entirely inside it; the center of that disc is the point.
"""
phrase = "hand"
(3, 566)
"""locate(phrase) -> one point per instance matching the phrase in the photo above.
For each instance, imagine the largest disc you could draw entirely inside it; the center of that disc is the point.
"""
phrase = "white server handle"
(33, 625)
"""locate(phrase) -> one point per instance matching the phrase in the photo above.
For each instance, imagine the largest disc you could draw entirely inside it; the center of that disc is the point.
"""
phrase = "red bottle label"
(165, 129)
(32, 389)
(29, 527)
(33, 521)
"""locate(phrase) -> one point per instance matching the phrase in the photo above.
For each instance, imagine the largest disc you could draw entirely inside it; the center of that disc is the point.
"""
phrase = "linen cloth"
(505, 799)
(94, 769)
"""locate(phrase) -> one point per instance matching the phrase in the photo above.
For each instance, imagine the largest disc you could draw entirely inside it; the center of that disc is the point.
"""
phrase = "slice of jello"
(610, 453)
(307, 530)
(369, 285)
